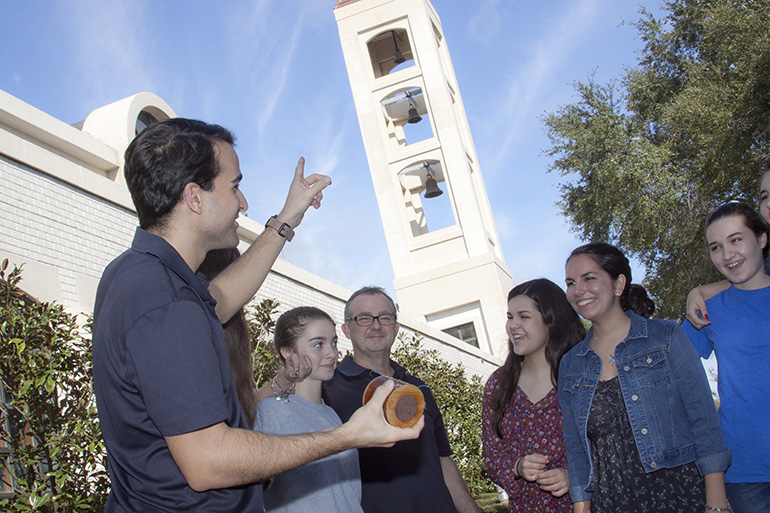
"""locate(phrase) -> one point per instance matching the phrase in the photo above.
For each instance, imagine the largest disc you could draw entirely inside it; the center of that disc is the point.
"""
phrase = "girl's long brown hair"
(239, 344)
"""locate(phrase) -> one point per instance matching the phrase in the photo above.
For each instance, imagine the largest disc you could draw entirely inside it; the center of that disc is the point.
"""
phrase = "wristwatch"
(283, 229)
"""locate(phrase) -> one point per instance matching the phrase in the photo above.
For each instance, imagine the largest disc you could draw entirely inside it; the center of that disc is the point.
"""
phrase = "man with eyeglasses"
(414, 475)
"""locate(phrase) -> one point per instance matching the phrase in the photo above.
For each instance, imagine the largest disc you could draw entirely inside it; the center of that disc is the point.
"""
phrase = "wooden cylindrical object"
(404, 405)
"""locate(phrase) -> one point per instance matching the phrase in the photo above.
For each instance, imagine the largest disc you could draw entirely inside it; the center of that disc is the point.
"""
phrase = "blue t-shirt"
(739, 334)
(160, 369)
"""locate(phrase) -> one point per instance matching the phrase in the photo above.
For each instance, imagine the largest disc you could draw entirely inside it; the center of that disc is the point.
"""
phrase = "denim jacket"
(666, 395)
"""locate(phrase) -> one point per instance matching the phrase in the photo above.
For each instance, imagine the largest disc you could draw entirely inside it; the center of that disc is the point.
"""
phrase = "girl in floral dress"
(522, 430)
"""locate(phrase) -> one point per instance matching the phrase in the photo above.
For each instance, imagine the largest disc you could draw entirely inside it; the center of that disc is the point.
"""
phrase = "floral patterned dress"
(527, 428)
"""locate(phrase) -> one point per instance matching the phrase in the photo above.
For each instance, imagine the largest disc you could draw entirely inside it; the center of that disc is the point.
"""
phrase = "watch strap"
(283, 229)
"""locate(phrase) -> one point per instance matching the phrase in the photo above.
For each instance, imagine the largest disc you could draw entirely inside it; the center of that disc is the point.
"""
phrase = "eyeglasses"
(368, 320)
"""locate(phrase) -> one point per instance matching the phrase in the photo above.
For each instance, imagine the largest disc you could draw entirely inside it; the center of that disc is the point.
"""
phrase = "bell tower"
(446, 256)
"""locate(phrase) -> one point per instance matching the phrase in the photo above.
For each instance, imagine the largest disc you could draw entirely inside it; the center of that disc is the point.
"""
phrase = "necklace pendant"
(611, 359)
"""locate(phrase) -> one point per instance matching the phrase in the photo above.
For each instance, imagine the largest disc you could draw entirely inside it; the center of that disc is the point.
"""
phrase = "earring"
(617, 292)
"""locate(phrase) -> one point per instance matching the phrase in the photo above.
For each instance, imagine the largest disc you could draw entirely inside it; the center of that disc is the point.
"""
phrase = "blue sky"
(273, 72)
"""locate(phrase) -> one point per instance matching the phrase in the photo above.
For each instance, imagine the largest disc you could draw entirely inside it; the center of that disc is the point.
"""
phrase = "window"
(143, 120)
(465, 332)
(406, 116)
(431, 213)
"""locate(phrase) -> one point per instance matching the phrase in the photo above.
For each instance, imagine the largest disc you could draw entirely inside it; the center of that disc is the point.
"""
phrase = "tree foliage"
(646, 157)
(266, 361)
(48, 415)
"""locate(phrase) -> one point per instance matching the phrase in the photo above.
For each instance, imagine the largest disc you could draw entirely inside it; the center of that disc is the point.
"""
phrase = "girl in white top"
(329, 484)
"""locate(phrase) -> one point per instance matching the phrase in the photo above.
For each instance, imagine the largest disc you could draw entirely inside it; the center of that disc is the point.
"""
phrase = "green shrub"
(48, 414)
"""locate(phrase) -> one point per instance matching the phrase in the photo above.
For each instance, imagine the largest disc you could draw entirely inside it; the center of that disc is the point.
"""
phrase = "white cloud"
(110, 49)
(523, 100)
(264, 41)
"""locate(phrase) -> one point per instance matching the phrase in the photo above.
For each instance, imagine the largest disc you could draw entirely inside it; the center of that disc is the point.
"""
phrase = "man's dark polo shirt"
(160, 369)
(406, 477)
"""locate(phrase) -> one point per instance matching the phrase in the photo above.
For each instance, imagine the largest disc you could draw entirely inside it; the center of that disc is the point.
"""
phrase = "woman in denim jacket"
(640, 425)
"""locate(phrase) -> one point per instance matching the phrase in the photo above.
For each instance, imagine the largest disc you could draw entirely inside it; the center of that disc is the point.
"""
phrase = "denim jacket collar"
(638, 330)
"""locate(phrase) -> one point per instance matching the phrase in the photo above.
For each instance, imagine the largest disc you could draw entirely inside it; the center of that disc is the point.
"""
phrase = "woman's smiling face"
(590, 289)
(318, 341)
(737, 251)
(525, 326)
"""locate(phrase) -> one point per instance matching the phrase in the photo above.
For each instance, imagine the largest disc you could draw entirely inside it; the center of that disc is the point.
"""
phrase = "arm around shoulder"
(696, 311)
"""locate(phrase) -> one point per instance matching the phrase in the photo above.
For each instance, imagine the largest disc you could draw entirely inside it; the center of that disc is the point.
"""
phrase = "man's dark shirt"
(160, 369)
(408, 476)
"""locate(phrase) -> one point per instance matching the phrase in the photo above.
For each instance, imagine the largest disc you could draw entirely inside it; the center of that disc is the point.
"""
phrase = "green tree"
(48, 416)
(459, 399)
(647, 157)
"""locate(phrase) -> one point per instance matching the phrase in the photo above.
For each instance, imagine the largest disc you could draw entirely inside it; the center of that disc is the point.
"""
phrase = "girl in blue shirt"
(697, 313)
(739, 334)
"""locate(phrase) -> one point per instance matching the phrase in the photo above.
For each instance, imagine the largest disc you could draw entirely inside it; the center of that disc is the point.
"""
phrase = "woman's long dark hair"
(237, 340)
(564, 331)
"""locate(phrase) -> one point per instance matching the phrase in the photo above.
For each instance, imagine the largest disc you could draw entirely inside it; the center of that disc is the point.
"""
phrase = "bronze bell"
(431, 188)
(399, 57)
(413, 116)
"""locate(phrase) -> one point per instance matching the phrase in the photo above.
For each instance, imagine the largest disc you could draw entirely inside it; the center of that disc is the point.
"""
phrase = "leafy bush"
(49, 415)
(261, 328)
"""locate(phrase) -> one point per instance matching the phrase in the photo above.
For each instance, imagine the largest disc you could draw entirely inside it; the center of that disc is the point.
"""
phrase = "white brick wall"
(46, 220)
